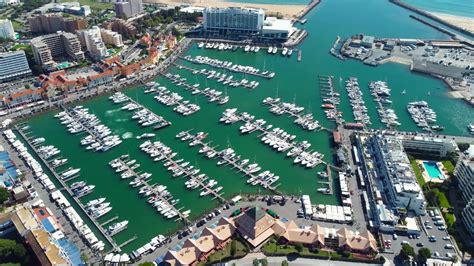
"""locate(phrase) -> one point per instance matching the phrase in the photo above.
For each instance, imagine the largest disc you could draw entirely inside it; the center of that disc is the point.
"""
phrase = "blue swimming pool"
(433, 170)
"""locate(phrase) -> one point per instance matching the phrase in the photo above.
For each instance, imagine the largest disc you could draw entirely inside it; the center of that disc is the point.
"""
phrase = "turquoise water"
(274, 2)
(433, 170)
(464, 8)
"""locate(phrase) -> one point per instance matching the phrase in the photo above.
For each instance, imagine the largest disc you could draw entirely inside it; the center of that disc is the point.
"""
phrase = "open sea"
(463, 8)
(294, 81)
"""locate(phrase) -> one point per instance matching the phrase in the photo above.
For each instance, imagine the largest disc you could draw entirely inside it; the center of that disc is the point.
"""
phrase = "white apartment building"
(400, 188)
(422, 145)
(111, 37)
(92, 40)
(6, 29)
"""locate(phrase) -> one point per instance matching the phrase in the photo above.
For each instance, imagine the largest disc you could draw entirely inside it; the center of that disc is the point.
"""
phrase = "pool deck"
(427, 177)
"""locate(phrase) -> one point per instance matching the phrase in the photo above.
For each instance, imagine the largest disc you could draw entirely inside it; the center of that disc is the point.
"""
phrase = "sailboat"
(404, 92)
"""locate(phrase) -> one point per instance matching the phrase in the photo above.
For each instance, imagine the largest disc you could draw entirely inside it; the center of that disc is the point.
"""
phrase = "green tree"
(406, 252)
(284, 263)
(84, 257)
(264, 262)
(255, 262)
(146, 264)
(233, 248)
(4, 195)
(299, 247)
(463, 146)
(424, 254)
(10, 251)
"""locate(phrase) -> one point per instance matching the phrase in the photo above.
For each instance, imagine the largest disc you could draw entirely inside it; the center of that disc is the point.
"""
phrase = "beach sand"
(288, 11)
(462, 22)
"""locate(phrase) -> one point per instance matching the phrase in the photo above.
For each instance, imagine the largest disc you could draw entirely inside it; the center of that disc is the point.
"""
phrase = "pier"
(305, 121)
(220, 77)
(327, 88)
(109, 239)
(231, 67)
(128, 241)
(156, 193)
(109, 221)
(234, 165)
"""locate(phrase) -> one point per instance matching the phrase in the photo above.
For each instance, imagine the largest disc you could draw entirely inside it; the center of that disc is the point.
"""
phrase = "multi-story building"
(400, 188)
(91, 39)
(48, 47)
(6, 29)
(13, 65)
(464, 173)
(111, 37)
(235, 21)
(128, 8)
(428, 146)
(74, 8)
(50, 23)
(121, 26)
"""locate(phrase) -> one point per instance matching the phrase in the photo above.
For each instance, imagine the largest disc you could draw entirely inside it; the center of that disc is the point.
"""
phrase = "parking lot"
(431, 237)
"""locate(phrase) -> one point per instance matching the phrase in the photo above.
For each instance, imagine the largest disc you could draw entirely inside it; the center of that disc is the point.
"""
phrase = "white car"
(446, 238)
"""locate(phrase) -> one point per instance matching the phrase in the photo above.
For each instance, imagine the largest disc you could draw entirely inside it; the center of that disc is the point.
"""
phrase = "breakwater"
(431, 16)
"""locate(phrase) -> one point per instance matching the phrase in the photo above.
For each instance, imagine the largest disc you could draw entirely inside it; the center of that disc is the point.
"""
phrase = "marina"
(359, 110)
(330, 99)
(381, 93)
(423, 116)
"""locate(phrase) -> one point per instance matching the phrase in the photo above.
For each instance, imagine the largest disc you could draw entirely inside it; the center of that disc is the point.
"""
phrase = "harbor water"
(294, 82)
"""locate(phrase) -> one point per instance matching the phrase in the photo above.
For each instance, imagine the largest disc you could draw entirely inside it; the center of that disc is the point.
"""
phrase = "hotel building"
(91, 39)
(13, 65)
(47, 47)
(428, 146)
(51, 23)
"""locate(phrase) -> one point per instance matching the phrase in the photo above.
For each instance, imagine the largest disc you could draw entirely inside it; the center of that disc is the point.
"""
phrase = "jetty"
(306, 121)
(248, 70)
(233, 162)
(330, 98)
(70, 192)
(157, 194)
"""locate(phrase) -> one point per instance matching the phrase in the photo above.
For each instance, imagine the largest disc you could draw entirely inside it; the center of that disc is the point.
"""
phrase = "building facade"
(121, 26)
(464, 173)
(51, 23)
(111, 37)
(428, 146)
(48, 47)
(400, 188)
(6, 29)
(13, 65)
(128, 8)
(91, 39)
(232, 20)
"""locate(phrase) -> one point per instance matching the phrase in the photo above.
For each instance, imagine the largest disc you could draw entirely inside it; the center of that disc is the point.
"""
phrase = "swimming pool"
(433, 170)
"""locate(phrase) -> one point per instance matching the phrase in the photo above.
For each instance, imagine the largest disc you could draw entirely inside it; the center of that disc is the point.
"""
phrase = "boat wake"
(112, 112)
(127, 135)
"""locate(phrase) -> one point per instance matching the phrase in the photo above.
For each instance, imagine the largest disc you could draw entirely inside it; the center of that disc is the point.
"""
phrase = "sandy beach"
(462, 22)
(288, 11)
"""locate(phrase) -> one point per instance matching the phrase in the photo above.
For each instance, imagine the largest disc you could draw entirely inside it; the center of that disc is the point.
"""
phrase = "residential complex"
(464, 172)
(428, 146)
(74, 8)
(256, 225)
(121, 26)
(6, 29)
(111, 37)
(13, 65)
(91, 39)
(128, 8)
(50, 23)
(48, 47)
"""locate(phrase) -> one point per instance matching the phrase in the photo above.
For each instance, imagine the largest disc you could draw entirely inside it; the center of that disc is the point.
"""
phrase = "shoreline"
(465, 23)
(287, 10)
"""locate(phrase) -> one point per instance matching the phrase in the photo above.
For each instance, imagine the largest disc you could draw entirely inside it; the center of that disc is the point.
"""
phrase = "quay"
(233, 163)
(155, 192)
(334, 49)
(308, 8)
(115, 247)
(216, 65)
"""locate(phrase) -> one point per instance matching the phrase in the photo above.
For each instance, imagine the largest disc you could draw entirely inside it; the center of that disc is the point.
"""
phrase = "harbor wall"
(308, 8)
(431, 16)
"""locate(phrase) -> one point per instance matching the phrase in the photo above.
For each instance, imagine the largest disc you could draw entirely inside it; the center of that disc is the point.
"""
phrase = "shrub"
(299, 247)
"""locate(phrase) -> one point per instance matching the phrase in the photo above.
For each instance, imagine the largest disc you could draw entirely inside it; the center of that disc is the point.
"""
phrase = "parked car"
(442, 228)
(395, 237)
(419, 244)
(448, 246)
(429, 227)
(446, 238)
